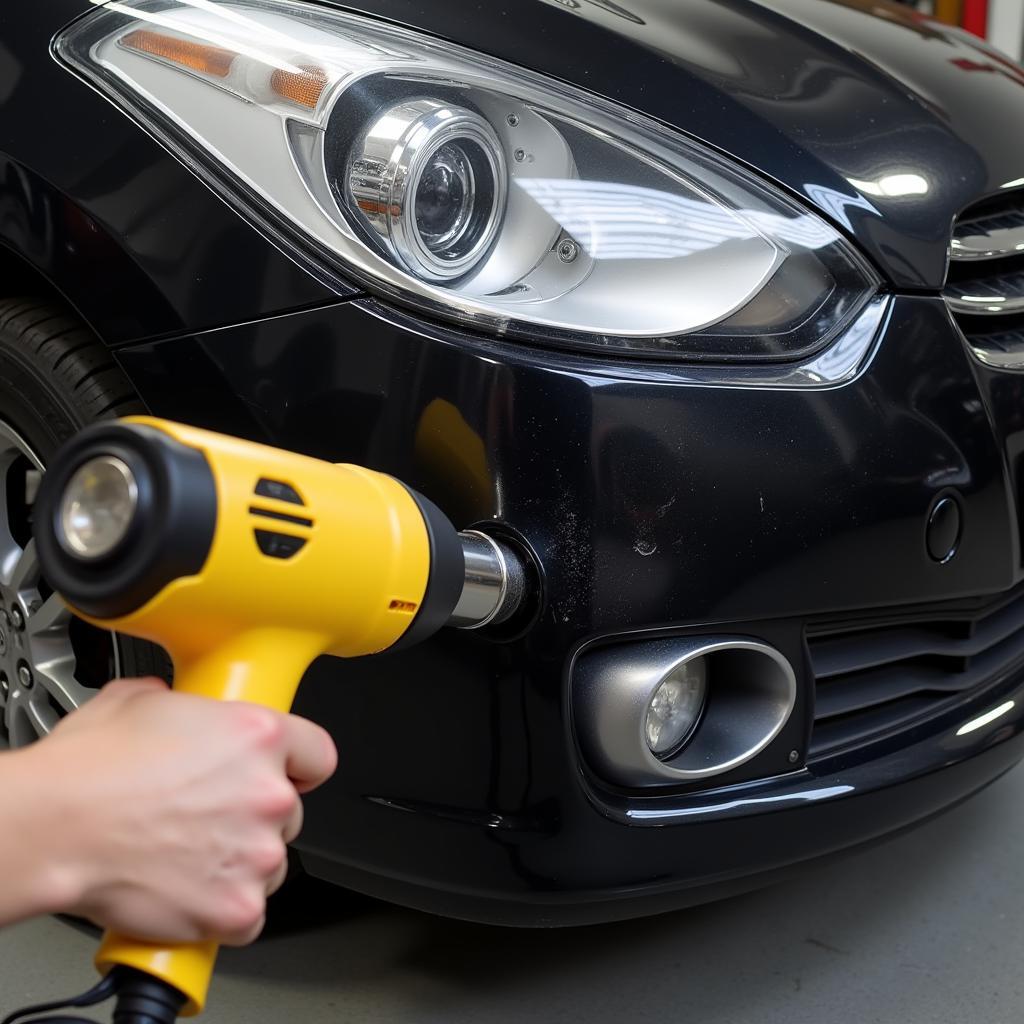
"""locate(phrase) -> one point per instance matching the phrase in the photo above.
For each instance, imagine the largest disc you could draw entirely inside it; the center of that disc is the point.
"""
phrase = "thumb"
(123, 688)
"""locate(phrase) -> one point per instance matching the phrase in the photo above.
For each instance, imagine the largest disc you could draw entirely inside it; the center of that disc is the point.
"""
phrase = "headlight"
(470, 188)
(430, 179)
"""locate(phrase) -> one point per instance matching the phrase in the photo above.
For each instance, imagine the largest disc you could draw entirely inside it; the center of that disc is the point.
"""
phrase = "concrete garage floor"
(926, 928)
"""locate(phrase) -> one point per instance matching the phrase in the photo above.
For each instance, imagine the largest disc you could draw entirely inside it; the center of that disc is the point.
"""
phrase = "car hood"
(889, 123)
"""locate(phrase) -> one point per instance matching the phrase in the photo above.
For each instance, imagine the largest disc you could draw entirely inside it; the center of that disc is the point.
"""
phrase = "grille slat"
(985, 285)
(873, 679)
(848, 654)
(991, 234)
(987, 294)
(895, 682)
(833, 734)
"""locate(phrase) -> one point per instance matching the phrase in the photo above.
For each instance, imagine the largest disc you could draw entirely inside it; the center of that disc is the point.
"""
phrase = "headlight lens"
(473, 189)
(430, 179)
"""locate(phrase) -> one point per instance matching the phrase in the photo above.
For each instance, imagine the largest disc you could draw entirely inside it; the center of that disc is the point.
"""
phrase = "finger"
(276, 880)
(135, 684)
(118, 690)
(310, 754)
(244, 936)
(293, 826)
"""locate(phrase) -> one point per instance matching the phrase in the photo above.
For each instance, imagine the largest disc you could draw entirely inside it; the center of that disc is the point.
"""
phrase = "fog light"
(679, 709)
(675, 708)
(98, 507)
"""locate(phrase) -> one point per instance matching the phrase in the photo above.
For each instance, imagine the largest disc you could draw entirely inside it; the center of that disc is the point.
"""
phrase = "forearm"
(37, 873)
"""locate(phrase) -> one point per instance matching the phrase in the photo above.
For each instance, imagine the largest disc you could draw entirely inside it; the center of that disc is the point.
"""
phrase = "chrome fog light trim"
(750, 694)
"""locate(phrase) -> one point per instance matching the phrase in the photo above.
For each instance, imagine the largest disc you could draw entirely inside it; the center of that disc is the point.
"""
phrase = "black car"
(715, 308)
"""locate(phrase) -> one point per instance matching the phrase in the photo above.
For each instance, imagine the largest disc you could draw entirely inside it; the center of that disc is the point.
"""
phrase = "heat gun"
(246, 563)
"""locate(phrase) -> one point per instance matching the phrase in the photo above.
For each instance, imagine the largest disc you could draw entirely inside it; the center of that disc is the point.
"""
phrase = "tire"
(55, 377)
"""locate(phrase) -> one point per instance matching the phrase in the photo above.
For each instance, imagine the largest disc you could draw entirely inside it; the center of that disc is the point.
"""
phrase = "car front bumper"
(658, 503)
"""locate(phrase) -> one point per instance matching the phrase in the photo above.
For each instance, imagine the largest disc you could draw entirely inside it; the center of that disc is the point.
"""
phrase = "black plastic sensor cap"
(943, 528)
(170, 533)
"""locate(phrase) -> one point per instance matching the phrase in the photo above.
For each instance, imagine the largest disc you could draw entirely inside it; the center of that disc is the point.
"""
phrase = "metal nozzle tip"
(495, 583)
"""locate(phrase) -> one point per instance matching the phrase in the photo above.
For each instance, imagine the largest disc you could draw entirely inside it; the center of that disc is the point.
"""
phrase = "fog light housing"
(675, 708)
(98, 507)
(679, 709)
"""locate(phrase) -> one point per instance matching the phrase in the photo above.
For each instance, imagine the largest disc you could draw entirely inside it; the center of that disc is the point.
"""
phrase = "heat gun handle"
(262, 667)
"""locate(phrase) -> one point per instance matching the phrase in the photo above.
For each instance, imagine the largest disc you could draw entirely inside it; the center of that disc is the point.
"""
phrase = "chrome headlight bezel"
(338, 246)
(384, 174)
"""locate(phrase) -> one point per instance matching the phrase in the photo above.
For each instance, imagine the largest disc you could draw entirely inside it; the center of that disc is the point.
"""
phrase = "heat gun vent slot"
(269, 513)
(278, 490)
(270, 542)
(278, 545)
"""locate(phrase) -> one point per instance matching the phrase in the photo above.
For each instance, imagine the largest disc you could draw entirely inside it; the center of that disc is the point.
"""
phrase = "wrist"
(40, 847)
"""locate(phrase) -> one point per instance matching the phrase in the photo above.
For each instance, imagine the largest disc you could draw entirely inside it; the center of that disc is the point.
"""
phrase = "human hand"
(170, 813)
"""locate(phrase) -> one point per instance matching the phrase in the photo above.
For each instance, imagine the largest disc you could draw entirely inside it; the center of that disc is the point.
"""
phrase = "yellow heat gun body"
(246, 563)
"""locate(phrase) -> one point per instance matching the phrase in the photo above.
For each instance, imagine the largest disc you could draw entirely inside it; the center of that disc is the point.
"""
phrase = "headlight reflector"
(472, 189)
(429, 178)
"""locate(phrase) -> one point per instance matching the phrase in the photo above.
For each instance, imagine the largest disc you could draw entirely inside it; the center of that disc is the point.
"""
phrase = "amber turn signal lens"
(303, 87)
(211, 60)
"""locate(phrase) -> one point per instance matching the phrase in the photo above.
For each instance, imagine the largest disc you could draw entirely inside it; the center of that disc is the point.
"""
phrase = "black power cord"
(102, 990)
(141, 999)
(60, 1019)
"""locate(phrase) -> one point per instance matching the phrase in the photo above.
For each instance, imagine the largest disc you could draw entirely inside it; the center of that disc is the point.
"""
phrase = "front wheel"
(55, 377)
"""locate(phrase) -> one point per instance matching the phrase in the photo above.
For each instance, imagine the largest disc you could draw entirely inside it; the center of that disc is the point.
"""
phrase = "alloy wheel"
(50, 663)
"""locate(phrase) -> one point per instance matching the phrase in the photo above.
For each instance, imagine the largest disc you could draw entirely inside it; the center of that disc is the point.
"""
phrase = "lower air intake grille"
(875, 678)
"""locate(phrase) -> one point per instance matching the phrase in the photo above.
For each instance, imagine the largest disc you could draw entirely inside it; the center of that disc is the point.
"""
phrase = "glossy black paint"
(652, 503)
(130, 237)
(806, 489)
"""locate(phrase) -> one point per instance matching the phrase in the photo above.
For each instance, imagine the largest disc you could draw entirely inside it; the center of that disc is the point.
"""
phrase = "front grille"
(876, 677)
(985, 285)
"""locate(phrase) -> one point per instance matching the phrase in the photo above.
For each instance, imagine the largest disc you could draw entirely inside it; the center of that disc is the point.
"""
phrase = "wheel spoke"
(57, 677)
(53, 656)
(41, 715)
(10, 549)
(25, 574)
(50, 618)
